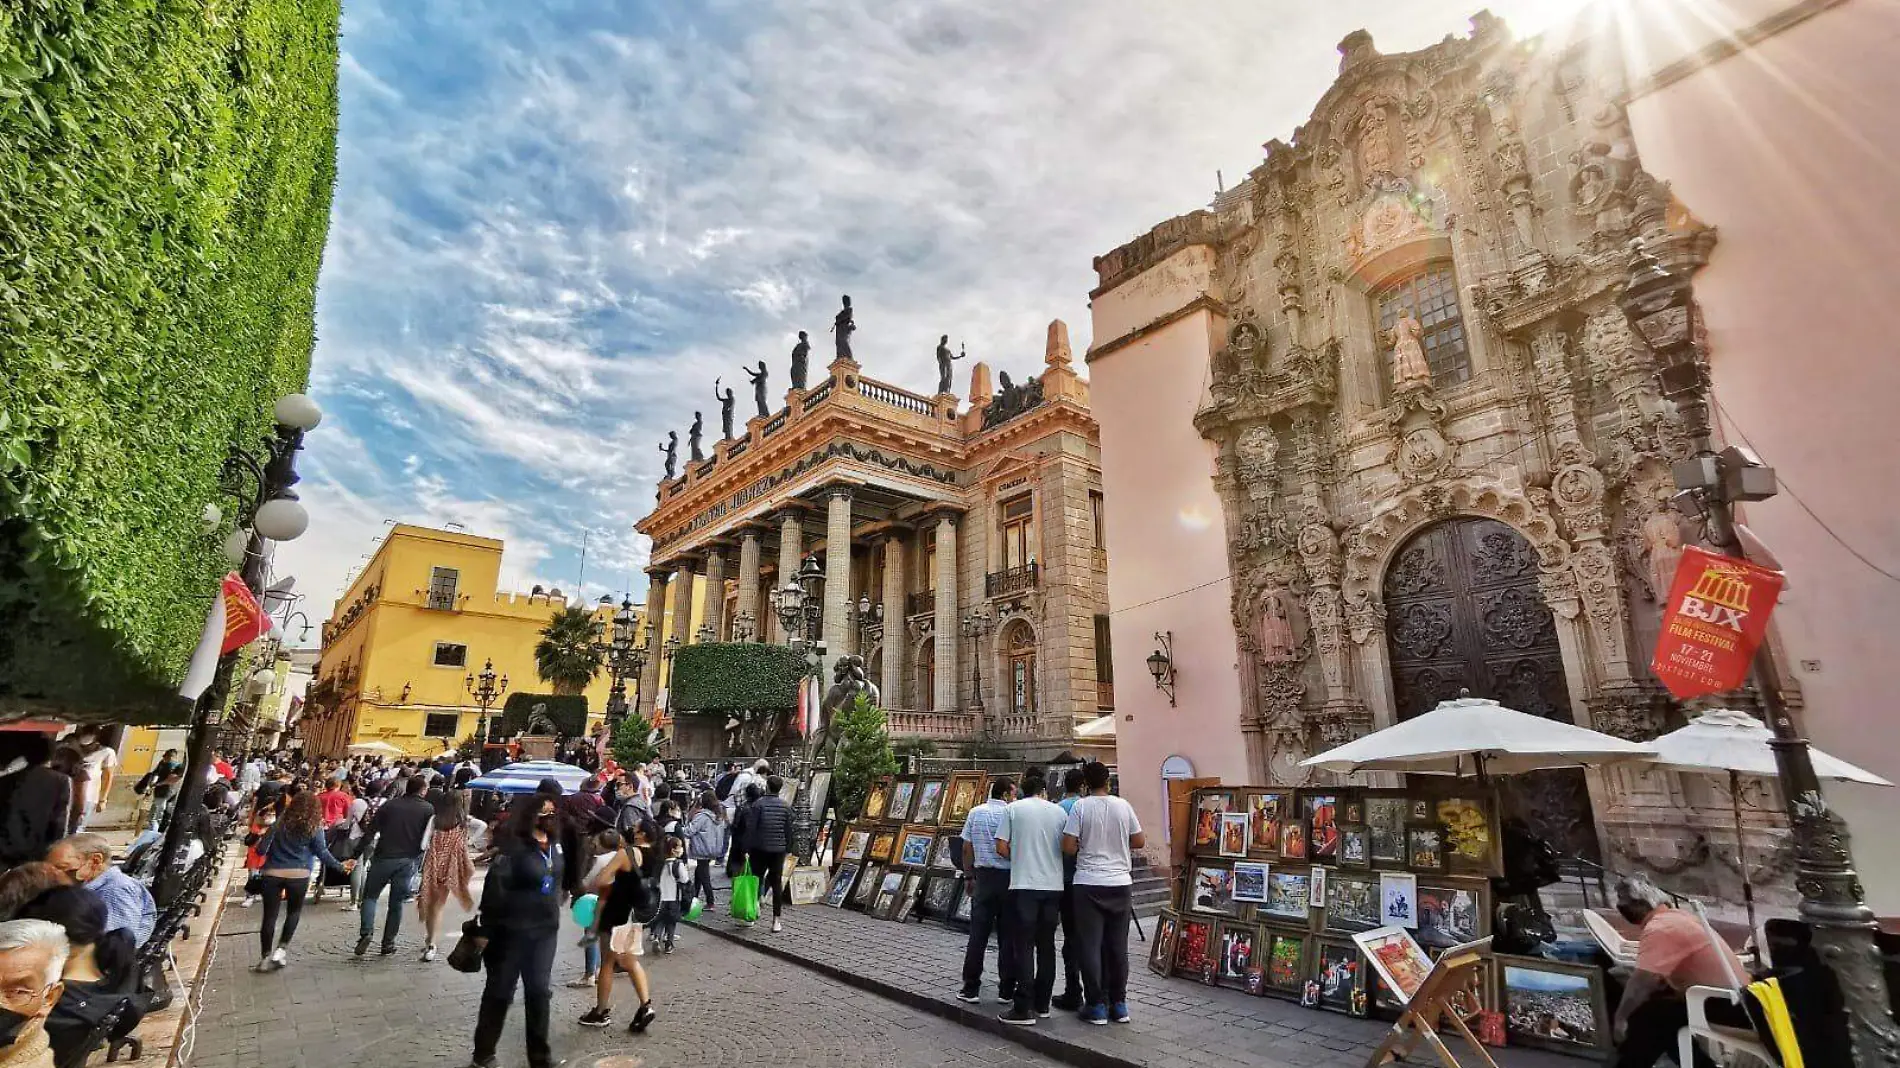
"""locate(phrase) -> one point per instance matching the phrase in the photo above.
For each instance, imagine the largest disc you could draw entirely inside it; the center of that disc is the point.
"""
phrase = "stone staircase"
(1151, 890)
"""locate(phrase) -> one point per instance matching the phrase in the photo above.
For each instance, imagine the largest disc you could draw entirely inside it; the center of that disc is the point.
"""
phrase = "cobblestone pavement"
(1177, 1023)
(720, 1007)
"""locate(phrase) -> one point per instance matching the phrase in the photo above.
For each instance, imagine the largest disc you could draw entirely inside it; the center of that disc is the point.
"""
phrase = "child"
(262, 820)
(673, 877)
(606, 847)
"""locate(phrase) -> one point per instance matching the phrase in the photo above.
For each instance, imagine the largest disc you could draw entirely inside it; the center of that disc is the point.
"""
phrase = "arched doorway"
(1019, 659)
(926, 700)
(1464, 612)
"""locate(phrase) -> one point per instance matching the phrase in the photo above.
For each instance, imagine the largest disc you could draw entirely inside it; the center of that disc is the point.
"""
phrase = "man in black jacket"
(767, 837)
(401, 828)
(35, 803)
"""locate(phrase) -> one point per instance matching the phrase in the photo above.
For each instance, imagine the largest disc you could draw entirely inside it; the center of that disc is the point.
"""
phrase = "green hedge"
(735, 677)
(165, 183)
(568, 712)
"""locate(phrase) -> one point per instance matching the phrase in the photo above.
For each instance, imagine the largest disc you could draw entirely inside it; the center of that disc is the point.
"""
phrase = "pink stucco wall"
(1167, 548)
(1792, 149)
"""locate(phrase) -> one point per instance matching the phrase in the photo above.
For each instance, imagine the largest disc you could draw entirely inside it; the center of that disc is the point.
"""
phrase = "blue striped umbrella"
(526, 776)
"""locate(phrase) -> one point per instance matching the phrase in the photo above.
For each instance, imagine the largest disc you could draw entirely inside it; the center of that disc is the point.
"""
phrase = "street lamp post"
(624, 657)
(1661, 309)
(745, 626)
(485, 688)
(868, 617)
(800, 604)
(974, 626)
(267, 510)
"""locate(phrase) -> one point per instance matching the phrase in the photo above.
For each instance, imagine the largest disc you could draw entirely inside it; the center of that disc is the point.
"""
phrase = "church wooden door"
(1464, 613)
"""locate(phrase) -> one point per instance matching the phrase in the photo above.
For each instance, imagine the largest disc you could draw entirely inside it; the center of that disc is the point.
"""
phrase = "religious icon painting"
(1292, 839)
(1193, 947)
(1448, 916)
(942, 853)
(1398, 899)
(1354, 846)
(1385, 830)
(1209, 806)
(841, 882)
(1468, 839)
(965, 792)
(1320, 814)
(1238, 945)
(1425, 847)
(1266, 812)
(1233, 834)
(1339, 970)
(1288, 895)
(856, 843)
(883, 842)
(902, 794)
(1161, 948)
(1352, 810)
(929, 801)
(1250, 881)
(940, 896)
(867, 886)
(1211, 889)
(913, 845)
(1352, 903)
(1286, 962)
(878, 800)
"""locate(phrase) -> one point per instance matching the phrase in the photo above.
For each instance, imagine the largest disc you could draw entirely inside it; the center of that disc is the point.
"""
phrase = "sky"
(558, 221)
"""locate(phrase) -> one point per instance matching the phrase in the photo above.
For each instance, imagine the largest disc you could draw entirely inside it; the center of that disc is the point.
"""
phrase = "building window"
(1020, 645)
(442, 725)
(927, 677)
(1096, 520)
(927, 560)
(1432, 296)
(1104, 666)
(1019, 543)
(442, 582)
(451, 654)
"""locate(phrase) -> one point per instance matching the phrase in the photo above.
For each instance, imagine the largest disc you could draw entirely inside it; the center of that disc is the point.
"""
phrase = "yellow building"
(423, 616)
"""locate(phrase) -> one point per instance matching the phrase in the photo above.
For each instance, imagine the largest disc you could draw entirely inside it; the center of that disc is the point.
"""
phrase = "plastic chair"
(1721, 1040)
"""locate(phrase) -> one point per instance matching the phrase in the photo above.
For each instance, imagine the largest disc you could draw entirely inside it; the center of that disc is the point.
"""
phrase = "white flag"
(204, 659)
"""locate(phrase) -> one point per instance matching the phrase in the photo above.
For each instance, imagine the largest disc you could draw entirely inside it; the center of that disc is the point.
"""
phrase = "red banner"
(1716, 617)
(244, 618)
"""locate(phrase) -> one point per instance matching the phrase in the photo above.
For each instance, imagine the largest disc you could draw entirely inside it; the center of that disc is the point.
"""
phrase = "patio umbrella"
(377, 749)
(525, 776)
(1737, 743)
(1472, 734)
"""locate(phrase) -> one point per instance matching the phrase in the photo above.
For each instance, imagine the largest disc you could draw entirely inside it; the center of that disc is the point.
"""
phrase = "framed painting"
(1266, 816)
(1398, 899)
(1209, 807)
(903, 795)
(1354, 848)
(1386, 817)
(1425, 847)
(808, 886)
(1551, 1005)
(1471, 841)
(929, 801)
(866, 889)
(1288, 895)
(960, 915)
(841, 882)
(1233, 834)
(1286, 962)
(964, 791)
(1211, 889)
(1250, 881)
(941, 858)
(883, 844)
(1194, 947)
(1319, 814)
(1161, 947)
(1397, 958)
(878, 801)
(1339, 969)
(907, 897)
(1450, 916)
(857, 842)
(820, 791)
(890, 889)
(1237, 955)
(1352, 903)
(1292, 839)
(940, 896)
(913, 845)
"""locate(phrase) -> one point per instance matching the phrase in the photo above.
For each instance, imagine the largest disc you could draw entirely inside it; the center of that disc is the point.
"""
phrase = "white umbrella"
(377, 749)
(1472, 734)
(1738, 744)
(1103, 727)
(525, 777)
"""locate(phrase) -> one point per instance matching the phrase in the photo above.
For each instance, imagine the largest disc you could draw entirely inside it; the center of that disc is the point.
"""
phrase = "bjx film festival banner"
(1716, 617)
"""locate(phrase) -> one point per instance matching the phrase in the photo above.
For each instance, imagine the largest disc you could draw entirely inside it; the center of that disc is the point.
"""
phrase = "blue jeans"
(396, 873)
(590, 953)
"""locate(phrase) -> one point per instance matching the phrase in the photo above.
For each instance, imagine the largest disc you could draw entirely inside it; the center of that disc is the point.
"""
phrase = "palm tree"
(566, 656)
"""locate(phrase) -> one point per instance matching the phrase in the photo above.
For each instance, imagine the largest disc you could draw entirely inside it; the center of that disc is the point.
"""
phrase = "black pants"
(702, 880)
(667, 924)
(524, 958)
(1037, 915)
(1102, 914)
(989, 912)
(1654, 1025)
(770, 868)
(1071, 974)
(284, 894)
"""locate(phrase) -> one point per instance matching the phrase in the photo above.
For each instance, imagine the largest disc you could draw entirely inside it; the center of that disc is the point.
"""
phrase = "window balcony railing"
(921, 603)
(903, 724)
(1014, 580)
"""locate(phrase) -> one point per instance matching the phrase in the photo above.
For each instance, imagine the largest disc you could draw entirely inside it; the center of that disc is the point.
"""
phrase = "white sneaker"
(428, 954)
(279, 957)
(349, 906)
(247, 903)
(777, 926)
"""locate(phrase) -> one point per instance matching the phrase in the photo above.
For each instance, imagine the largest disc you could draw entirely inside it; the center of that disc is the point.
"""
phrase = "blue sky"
(557, 221)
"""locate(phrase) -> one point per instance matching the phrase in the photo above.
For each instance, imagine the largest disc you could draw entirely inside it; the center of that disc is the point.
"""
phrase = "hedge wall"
(165, 182)
(734, 677)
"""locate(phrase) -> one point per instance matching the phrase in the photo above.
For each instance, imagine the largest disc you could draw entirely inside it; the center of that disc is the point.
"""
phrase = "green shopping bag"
(745, 895)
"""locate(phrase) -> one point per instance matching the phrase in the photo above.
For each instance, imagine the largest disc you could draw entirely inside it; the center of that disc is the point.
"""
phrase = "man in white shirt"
(1102, 834)
(1030, 836)
(101, 762)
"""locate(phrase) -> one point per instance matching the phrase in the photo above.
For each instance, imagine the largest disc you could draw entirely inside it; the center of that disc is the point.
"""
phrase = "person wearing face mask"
(32, 957)
(521, 918)
(87, 859)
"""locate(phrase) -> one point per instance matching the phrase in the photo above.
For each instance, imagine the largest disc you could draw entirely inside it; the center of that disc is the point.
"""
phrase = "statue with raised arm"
(758, 387)
(672, 451)
(801, 360)
(842, 325)
(726, 401)
(693, 435)
(943, 363)
(849, 679)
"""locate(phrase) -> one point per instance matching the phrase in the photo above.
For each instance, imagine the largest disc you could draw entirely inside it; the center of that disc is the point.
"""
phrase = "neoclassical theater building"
(973, 532)
(1376, 434)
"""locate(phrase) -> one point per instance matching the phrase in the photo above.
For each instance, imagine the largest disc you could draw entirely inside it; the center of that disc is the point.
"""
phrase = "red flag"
(244, 618)
(1716, 617)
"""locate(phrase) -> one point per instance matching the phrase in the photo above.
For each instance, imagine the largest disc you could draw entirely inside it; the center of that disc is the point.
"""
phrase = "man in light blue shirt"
(86, 859)
(1031, 837)
(988, 872)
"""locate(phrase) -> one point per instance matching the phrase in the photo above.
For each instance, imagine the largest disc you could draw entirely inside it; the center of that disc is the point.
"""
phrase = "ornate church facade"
(1438, 458)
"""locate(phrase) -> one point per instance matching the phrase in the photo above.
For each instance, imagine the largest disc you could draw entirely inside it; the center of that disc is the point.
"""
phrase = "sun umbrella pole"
(1741, 850)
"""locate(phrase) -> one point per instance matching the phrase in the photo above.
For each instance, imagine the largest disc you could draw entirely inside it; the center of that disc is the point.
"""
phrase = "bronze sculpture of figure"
(849, 679)
(943, 363)
(725, 400)
(693, 436)
(842, 325)
(672, 451)
(758, 386)
(801, 357)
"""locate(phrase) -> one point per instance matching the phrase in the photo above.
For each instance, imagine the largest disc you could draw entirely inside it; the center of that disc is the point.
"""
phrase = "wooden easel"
(1420, 1021)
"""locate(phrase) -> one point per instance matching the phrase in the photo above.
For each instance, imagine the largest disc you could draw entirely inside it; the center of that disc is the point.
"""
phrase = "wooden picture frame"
(878, 800)
(903, 799)
(806, 885)
(883, 844)
(1204, 819)
(1161, 946)
(1286, 968)
(1450, 915)
(914, 842)
(959, 917)
(1267, 812)
(857, 842)
(1210, 889)
(1234, 834)
(1292, 839)
(890, 889)
(1340, 969)
(1387, 812)
(868, 876)
(1237, 955)
(1398, 899)
(942, 851)
(1355, 849)
(1397, 959)
(939, 901)
(1472, 844)
(929, 800)
(1289, 894)
(1352, 902)
(1194, 947)
(1552, 1005)
(963, 792)
(1319, 817)
(1425, 848)
(842, 882)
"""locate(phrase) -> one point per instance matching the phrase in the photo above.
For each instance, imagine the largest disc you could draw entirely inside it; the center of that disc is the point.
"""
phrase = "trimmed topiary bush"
(735, 677)
(165, 183)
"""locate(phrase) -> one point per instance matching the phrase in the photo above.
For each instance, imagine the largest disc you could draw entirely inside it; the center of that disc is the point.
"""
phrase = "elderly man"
(1675, 953)
(32, 958)
(87, 858)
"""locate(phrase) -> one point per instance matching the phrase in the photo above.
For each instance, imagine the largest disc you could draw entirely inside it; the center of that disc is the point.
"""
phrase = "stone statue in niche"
(1662, 539)
(1409, 367)
(726, 401)
(1375, 143)
(757, 378)
(672, 452)
(1273, 629)
(693, 434)
(843, 325)
(801, 361)
(1259, 452)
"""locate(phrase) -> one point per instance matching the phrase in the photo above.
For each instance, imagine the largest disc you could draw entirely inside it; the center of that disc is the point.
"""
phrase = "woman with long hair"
(445, 869)
(521, 918)
(290, 847)
(98, 972)
(630, 900)
(707, 836)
